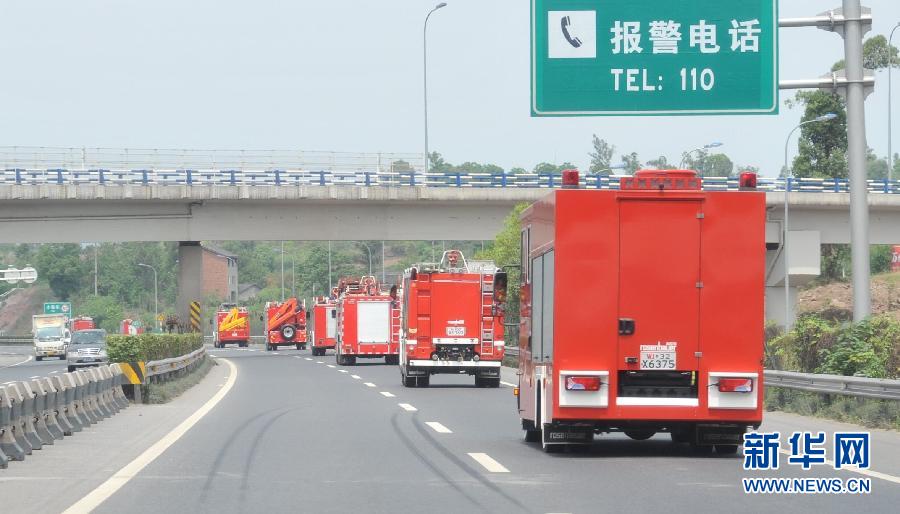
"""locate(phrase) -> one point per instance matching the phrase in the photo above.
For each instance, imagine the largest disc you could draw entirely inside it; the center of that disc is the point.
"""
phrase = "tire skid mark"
(251, 454)
(480, 477)
(430, 465)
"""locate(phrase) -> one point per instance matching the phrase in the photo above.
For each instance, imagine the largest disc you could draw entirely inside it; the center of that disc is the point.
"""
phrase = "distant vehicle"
(88, 348)
(82, 323)
(232, 326)
(130, 327)
(368, 322)
(285, 324)
(452, 321)
(641, 311)
(324, 324)
(51, 335)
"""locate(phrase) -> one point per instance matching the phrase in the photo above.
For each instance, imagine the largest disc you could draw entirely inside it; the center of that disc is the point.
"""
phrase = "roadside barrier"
(38, 412)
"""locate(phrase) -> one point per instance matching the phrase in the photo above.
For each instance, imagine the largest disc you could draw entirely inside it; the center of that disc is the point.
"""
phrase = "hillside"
(835, 300)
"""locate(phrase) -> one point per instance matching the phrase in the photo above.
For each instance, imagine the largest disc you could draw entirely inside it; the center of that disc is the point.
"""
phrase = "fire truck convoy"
(286, 324)
(232, 326)
(324, 324)
(452, 321)
(642, 312)
(368, 322)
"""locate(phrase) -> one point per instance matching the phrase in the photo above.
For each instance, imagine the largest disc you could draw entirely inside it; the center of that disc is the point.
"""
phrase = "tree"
(62, 267)
(106, 311)
(718, 165)
(632, 162)
(876, 168)
(506, 251)
(660, 164)
(601, 156)
(546, 167)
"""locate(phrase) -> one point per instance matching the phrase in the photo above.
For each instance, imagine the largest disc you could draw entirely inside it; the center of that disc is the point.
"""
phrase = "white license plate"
(456, 331)
(658, 360)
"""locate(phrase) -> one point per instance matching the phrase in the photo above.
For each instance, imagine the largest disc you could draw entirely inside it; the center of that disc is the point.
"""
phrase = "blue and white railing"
(294, 178)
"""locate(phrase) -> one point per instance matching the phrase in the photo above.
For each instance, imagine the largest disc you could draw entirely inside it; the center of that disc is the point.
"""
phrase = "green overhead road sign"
(58, 308)
(653, 57)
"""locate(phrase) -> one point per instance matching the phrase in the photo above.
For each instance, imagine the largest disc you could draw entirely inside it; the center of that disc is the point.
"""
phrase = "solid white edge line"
(386, 394)
(439, 428)
(488, 463)
(866, 472)
(507, 384)
(96, 497)
(19, 363)
(369, 384)
(407, 407)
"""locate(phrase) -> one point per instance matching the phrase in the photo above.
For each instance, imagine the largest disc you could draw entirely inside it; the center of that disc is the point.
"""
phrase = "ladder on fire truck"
(487, 314)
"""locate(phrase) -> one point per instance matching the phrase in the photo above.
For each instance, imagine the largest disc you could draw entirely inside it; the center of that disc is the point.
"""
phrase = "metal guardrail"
(166, 366)
(373, 176)
(823, 384)
(835, 384)
(16, 340)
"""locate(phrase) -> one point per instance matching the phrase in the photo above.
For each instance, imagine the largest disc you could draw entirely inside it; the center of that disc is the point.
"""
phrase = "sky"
(340, 75)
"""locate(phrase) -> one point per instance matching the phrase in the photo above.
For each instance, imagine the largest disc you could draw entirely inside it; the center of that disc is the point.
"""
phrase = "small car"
(87, 348)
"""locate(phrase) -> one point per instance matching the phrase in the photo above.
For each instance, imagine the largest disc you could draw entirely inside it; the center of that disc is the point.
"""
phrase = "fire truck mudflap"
(642, 312)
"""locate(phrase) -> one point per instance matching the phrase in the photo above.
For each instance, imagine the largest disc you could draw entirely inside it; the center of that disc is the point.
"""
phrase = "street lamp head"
(619, 166)
(714, 144)
(827, 117)
(144, 265)
(440, 5)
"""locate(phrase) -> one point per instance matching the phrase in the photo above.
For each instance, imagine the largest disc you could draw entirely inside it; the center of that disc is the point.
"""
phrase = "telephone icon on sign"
(565, 22)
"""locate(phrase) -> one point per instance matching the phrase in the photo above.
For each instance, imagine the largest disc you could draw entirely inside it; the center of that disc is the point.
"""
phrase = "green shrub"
(151, 347)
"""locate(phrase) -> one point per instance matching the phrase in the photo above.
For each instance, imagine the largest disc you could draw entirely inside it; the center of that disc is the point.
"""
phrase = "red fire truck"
(642, 312)
(232, 326)
(324, 323)
(452, 321)
(286, 324)
(82, 323)
(368, 322)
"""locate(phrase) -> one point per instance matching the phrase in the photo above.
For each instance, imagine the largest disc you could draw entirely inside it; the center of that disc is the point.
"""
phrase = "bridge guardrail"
(163, 370)
(373, 177)
(816, 383)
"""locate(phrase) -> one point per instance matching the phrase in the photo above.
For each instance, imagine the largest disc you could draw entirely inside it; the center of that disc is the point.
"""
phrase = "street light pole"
(155, 294)
(890, 68)
(784, 240)
(282, 271)
(369, 250)
(714, 144)
(425, 74)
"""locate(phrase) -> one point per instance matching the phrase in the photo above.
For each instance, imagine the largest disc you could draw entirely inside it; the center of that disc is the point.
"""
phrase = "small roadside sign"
(58, 308)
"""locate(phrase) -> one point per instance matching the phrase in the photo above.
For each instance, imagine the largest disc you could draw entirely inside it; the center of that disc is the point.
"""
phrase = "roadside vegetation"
(151, 347)
(164, 392)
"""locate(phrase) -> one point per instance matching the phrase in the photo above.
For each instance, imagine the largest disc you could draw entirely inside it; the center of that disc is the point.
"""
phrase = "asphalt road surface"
(17, 363)
(297, 433)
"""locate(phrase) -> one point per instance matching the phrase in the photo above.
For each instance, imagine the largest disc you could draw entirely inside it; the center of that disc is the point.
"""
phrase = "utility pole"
(282, 271)
(329, 268)
(96, 267)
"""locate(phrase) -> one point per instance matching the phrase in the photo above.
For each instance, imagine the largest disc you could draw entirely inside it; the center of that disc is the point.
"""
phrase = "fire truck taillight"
(735, 385)
(747, 180)
(582, 383)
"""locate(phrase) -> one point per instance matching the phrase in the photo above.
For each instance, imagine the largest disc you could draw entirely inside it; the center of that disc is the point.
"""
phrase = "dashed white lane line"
(507, 384)
(297, 357)
(370, 384)
(319, 362)
(53, 372)
(489, 463)
(343, 370)
(34, 376)
(356, 377)
(386, 394)
(332, 366)
(437, 427)
(407, 407)
(307, 358)
(124, 475)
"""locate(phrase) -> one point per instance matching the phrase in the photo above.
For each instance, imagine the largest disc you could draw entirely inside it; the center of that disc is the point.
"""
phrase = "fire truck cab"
(286, 324)
(324, 324)
(642, 312)
(232, 325)
(368, 322)
(452, 321)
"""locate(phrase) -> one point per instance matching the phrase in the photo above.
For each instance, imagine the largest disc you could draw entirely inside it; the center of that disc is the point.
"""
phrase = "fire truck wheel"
(62, 357)
(726, 449)
(38, 358)
(288, 332)
(268, 347)
(680, 436)
(350, 360)
(532, 436)
(243, 344)
(423, 381)
(408, 381)
(392, 360)
(299, 346)
(640, 435)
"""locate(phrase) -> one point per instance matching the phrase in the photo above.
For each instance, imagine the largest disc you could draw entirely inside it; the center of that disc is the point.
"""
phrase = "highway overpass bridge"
(46, 206)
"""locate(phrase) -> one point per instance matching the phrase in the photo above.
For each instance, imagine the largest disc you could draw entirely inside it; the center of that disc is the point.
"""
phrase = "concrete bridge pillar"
(805, 264)
(190, 278)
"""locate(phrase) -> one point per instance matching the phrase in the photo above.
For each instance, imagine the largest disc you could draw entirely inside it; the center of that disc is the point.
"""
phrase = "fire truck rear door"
(659, 284)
